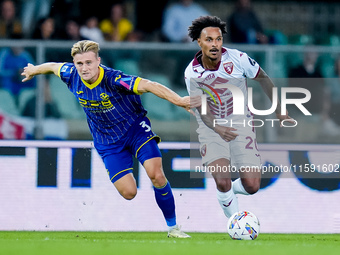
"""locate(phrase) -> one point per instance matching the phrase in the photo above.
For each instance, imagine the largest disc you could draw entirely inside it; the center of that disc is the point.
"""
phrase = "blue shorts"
(139, 141)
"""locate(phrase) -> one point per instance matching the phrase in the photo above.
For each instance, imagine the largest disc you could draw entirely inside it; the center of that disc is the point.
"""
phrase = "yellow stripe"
(144, 144)
(135, 87)
(120, 172)
(162, 186)
(160, 139)
(60, 68)
(100, 78)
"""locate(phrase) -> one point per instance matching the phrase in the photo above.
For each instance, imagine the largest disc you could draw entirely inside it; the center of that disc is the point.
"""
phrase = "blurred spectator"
(63, 10)
(149, 20)
(334, 87)
(45, 29)
(308, 76)
(31, 12)
(177, 19)
(91, 30)
(12, 62)
(244, 25)
(10, 25)
(51, 109)
(101, 9)
(312, 81)
(117, 27)
(72, 31)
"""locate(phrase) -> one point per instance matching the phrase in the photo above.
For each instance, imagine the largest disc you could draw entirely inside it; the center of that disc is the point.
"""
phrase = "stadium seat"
(7, 103)
(276, 37)
(160, 78)
(301, 39)
(334, 40)
(25, 95)
(327, 66)
(331, 40)
(158, 108)
(66, 102)
(293, 59)
(279, 67)
(182, 92)
(128, 66)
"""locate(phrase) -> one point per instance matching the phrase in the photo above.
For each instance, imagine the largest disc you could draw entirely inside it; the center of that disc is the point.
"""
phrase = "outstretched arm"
(164, 92)
(267, 86)
(47, 68)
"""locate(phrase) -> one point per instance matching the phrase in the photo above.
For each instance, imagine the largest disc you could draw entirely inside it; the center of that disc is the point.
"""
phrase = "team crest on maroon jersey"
(228, 67)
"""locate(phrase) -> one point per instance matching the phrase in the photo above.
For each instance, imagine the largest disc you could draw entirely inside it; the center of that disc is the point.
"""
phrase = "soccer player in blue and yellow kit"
(117, 121)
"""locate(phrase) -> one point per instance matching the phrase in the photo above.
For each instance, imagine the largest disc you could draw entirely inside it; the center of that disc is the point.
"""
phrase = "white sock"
(238, 188)
(228, 202)
(172, 227)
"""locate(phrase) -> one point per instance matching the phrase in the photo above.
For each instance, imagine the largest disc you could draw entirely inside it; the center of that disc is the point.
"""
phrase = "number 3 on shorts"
(144, 125)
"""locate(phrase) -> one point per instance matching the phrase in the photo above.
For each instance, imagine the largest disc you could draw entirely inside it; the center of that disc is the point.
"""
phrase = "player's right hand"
(28, 72)
(226, 132)
(285, 117)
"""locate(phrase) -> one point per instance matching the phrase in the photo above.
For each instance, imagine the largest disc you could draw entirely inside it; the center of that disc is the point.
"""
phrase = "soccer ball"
(243, 225)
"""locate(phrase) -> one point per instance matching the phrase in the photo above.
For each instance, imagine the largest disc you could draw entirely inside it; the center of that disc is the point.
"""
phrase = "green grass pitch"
(126, 243)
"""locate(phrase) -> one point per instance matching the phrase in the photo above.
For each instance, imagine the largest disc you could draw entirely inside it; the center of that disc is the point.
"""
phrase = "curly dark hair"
(205, 21)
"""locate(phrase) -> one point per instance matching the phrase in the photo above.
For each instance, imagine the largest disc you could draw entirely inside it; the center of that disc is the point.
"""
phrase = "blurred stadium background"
(300, 25)
(65, 183)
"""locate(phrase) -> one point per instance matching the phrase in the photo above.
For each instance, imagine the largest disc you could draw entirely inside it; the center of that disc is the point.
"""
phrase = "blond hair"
(84, 46)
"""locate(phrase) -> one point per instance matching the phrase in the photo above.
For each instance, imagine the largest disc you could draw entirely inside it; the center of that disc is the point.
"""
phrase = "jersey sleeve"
(65, 72)
(192, 84)
(129, 82)
(250, 66)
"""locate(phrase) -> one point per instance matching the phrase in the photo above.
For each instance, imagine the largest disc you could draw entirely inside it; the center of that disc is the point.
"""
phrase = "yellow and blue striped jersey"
(111, 104)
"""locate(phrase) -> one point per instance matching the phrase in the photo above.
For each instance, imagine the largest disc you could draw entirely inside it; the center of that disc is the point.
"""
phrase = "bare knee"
(223, 184)
(158, 179)
(251, 185)
(126, 186)
(155, 172)
(128, 194)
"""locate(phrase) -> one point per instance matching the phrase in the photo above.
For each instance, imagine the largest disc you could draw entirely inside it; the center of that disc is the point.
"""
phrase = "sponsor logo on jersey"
(103, 104)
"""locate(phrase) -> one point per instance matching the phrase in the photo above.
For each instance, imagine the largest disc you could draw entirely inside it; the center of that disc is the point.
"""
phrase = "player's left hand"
(195, 101)
(186, 103)
(285, 117)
